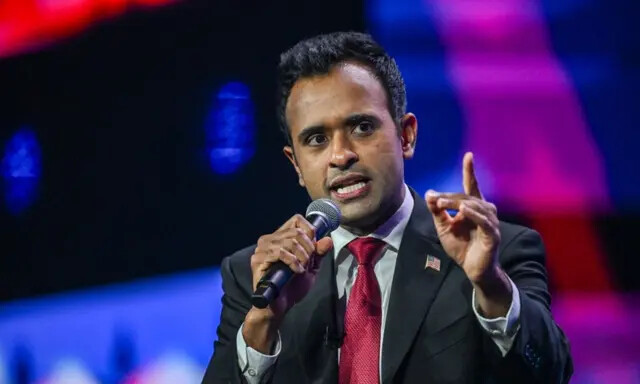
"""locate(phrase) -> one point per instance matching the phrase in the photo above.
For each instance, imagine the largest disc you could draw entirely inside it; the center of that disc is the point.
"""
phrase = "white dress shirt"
(502, 330)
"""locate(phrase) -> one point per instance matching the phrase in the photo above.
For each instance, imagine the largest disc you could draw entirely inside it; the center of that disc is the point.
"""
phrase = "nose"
(342, 154)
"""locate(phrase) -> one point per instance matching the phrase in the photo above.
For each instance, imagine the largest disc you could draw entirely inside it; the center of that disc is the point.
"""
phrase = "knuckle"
(304, 238)
(305, 233)
(304, 223)
(294, 246)
(307, 247)
(302, 252)
(272, 242)
(285, 255)
(301, 238)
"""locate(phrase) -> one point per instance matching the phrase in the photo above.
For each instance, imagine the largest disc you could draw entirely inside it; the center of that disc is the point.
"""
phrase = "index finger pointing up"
(469, 180)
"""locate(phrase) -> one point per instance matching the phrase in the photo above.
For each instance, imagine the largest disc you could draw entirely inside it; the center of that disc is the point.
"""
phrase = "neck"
(386, 213)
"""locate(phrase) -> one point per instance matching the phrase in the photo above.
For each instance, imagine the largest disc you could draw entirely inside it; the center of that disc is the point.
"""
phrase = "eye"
(364, 128)
(316, 140)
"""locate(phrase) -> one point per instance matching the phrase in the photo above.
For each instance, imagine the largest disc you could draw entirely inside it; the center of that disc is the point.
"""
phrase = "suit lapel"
(317, 311)
(414, 287)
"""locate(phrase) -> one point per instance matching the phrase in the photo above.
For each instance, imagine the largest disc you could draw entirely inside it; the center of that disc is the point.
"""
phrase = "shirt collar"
(390, 231)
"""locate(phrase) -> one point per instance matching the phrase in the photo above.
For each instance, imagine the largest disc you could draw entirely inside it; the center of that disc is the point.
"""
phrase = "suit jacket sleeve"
(540, 353)
(236, 282)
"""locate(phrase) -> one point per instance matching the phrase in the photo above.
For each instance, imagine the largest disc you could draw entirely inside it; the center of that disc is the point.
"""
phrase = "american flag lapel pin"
(432, 262)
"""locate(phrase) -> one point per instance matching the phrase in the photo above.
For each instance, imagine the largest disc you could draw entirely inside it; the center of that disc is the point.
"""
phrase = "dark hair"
(319, 54)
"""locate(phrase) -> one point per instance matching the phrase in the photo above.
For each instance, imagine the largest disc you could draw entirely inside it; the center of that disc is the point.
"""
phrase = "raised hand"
(471, 237)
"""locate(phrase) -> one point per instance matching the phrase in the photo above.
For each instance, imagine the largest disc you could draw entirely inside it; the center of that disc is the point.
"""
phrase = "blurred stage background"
(139, 146)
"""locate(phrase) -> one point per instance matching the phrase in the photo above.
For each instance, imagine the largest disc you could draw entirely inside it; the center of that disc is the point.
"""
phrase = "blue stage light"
(21, 170)
(230, 129)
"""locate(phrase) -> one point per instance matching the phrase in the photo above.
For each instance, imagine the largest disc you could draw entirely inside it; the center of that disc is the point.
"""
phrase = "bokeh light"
(21, 170)
(230, 129)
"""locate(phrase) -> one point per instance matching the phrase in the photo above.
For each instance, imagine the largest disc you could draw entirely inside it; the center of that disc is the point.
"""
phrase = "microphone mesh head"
(329, 208)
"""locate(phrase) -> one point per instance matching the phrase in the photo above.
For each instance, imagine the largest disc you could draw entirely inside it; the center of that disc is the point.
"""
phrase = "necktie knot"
(365, 249)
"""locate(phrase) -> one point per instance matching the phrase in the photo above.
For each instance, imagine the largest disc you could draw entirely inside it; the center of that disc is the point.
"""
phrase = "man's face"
(346, 145)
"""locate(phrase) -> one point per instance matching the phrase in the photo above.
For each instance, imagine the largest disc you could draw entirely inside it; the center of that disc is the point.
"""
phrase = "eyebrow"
(357, 118)
(349, 121)
(308, 131)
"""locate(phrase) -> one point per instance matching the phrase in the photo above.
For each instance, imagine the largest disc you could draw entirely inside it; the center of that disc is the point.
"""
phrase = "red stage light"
(27, 25)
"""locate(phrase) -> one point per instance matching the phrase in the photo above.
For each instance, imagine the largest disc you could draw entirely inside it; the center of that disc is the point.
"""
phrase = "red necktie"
(360, 352)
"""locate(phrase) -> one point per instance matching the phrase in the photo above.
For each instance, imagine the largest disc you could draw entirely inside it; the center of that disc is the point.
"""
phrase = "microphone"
(324, 215)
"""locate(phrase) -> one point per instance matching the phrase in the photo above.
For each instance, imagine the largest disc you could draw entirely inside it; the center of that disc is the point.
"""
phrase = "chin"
(357, 214)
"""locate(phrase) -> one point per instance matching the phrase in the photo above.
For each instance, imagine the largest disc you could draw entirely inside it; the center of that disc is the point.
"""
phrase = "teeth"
(351, 188)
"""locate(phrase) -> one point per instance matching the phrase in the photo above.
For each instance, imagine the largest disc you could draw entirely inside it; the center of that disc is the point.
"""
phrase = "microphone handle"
(269, 285)
(278, 274)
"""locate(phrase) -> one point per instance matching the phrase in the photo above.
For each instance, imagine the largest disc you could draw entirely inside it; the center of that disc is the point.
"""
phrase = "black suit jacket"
(431, 333)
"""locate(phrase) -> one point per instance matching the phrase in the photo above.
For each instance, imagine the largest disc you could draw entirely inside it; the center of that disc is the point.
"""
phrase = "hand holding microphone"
(284, 266)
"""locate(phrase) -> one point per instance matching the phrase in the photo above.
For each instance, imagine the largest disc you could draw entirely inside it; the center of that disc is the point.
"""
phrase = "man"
(404, 291)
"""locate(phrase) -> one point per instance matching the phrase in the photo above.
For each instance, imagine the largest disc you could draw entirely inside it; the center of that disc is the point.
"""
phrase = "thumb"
(323, 246)
(440, 215)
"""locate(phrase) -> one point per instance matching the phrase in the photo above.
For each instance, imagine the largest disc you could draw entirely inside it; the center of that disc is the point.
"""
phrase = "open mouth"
(350, 187)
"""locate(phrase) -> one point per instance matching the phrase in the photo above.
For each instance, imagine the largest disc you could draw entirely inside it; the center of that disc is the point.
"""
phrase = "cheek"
(314, 177)
(387, 152)
(388, 159)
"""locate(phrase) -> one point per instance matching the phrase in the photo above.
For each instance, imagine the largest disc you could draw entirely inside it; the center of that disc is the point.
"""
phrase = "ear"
(408, 134)
(288, 152)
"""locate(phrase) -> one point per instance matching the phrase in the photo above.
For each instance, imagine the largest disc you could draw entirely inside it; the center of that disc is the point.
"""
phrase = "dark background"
(121, 107)
(126, 188)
